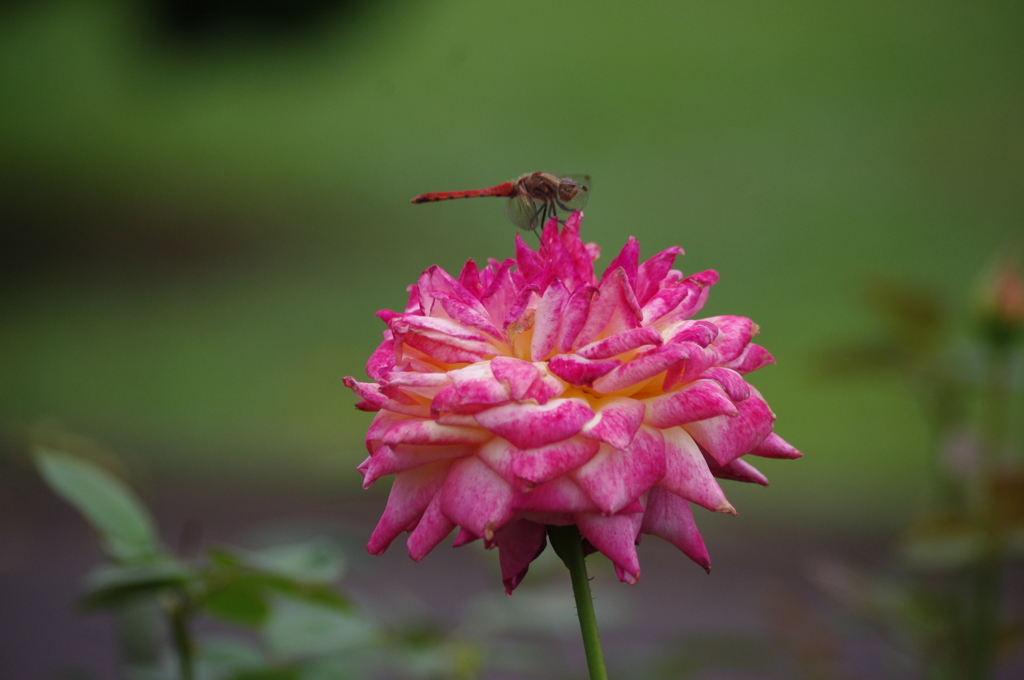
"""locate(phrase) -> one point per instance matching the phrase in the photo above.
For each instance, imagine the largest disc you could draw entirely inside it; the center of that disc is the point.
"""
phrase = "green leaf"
(221, 658)
(114, 511)
(298, 629)
(113, 585)
(241, 600)
(300, 571)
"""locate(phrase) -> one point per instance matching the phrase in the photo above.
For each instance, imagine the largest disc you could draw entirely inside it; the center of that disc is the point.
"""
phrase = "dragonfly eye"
(567, 189)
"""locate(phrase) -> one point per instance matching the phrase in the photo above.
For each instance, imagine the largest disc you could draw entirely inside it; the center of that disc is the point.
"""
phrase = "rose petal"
(669, 517)
(576, 370)
(615, 537)
(432, 528)
(547, 320)
(687, 474)
(727, 438)
(653, 271)
(641, 368)
(530, 426)
(390, 460)
(519, 543)
(697, 401)
(577, 309)
(476, 498)
(619, 343)
(417, 431)
(410, 495)
(775, 446)
(559, 495)
(617, 419)
(613, 478)
(516, 375)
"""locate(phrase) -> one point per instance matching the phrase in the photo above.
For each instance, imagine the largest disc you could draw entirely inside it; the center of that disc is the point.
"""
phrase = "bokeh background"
(202, 205)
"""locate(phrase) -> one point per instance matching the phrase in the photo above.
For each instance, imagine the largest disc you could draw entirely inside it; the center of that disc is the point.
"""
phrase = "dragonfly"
(532, 199)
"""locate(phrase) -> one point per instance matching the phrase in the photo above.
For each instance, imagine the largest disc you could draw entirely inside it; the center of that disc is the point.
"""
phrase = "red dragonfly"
(532, 198)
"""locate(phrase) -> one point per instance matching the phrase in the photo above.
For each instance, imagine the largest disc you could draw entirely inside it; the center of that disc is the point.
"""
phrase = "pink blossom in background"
(531, 392)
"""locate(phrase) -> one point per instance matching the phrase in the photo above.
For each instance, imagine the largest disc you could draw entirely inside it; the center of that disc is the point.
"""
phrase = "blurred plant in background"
(296, 624)
(942, 601)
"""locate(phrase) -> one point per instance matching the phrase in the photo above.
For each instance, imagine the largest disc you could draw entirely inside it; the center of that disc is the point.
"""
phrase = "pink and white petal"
(498, 454)
(641, 368)
(687, 474)
(578, 371)
(516, 375)
(583, 256)
(519, 543)
(617, 419)
(522, 311)
(775, 446)
(614, 477)
(410, 495)
(547, 320)
(669, 517)
(476, 498)
(464, 537)
(727, 438)
(473, 316)
(613, 310)
(629, 259)
(530, 426)
(390, 460)
(477, 384)
(577, 310)
(615, 537)
(370, 397)
(735, 334)
(697, 401)
(699, 332)
(732, 382)
(437, 280)
(500, 293)
(546, 387)
(469, 277)
(412, 303)
(560, 495)
(752, 358)
(653, 271)
(422, 431)
(543, 464)
(448, 350)
(382, 422)
(738, 471)
(619, 343)
(529, 261)
(432, 528)
(560, 262)
(383, 358)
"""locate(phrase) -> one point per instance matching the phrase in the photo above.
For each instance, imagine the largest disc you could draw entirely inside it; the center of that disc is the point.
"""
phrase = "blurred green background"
(198, 224)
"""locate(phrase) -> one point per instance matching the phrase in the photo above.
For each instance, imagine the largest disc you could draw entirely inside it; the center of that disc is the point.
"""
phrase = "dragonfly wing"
(521, 210)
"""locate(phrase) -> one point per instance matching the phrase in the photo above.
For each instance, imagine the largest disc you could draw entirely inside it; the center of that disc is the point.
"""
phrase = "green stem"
(986, 581)
(181, 637)
(568, 545)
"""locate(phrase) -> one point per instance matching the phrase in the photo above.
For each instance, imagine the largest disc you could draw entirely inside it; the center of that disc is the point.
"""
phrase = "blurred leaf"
(300, 629)
(268, 674)
(302, 571)
(113, 509)
(222, 658)
(114, 585)
(318, 561)
(242, 601)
